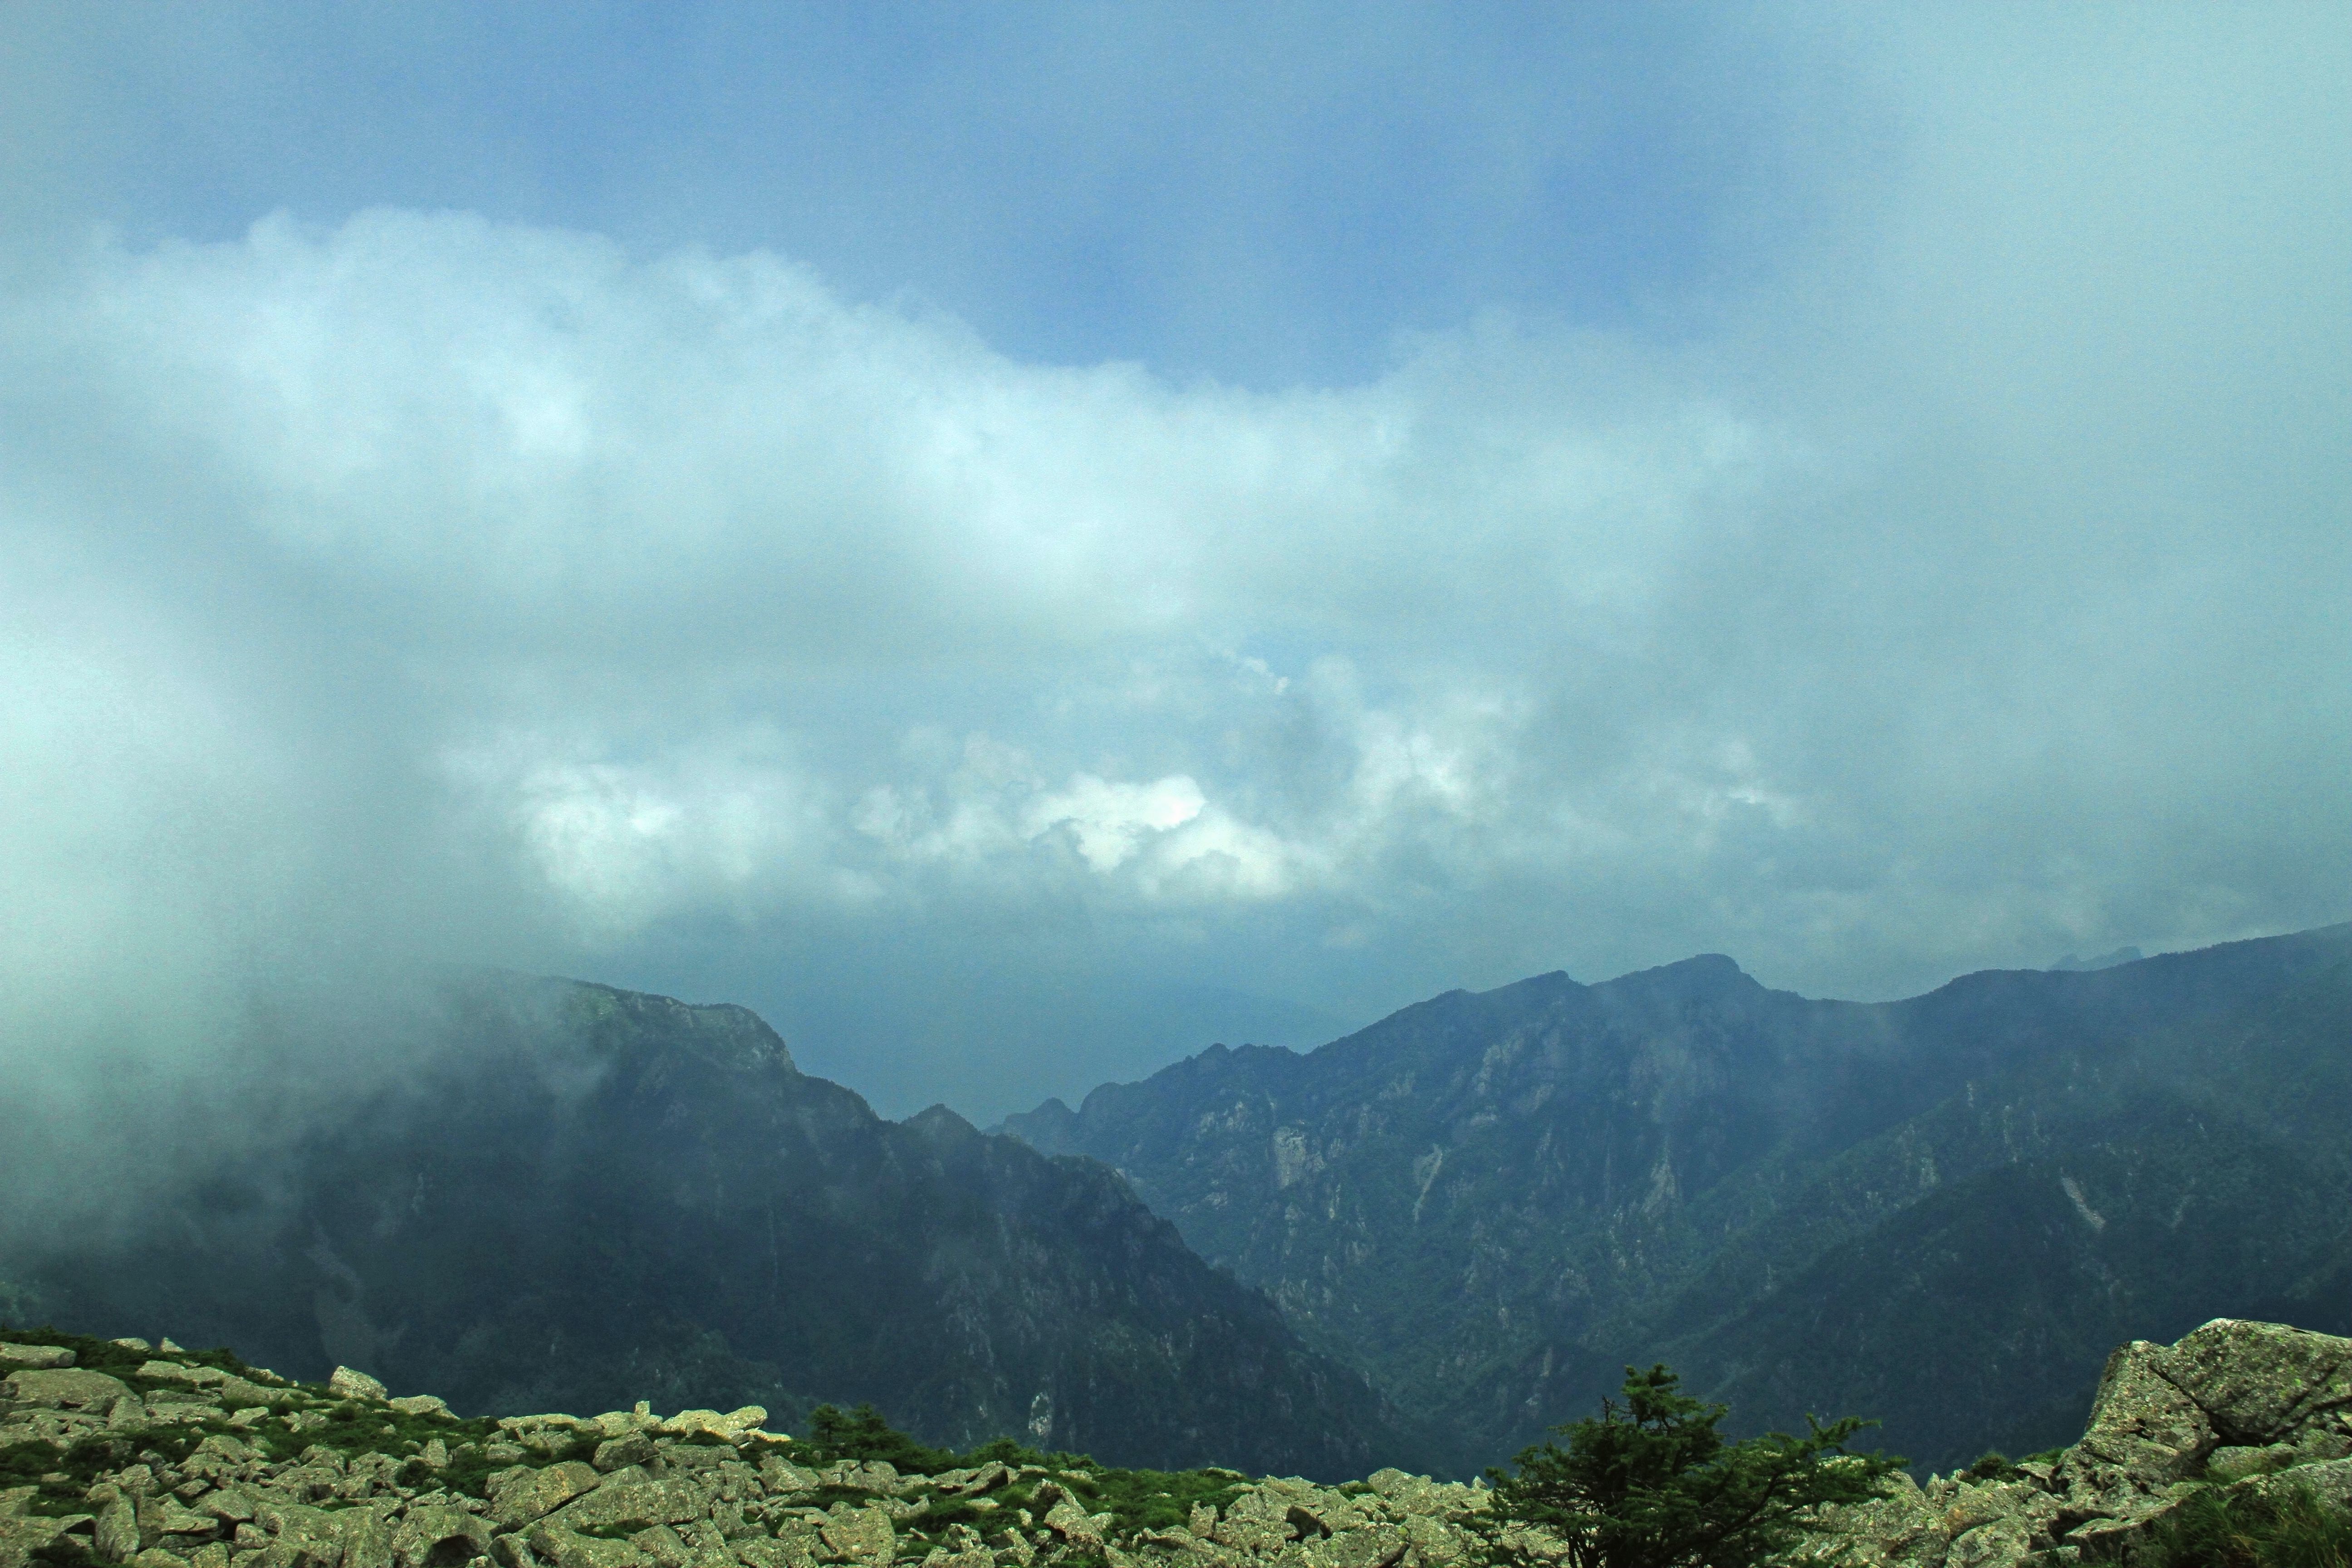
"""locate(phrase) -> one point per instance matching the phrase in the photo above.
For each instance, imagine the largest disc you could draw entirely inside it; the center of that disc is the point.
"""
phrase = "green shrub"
(1136, 1500)
(861, 1434)
(1652, 1484)
(1993, 1466)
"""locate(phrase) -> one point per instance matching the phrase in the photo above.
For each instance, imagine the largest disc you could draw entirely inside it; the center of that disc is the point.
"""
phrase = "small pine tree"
(863, 1433)
(1651, 1484)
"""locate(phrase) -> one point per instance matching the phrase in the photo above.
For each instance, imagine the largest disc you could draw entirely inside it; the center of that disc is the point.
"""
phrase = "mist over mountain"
(591, 1196)
(2071, 963)
(1422, 1244)
(1924, 1210)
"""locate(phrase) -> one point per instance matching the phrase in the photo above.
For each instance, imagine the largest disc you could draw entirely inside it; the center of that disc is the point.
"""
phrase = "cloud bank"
(425, 586)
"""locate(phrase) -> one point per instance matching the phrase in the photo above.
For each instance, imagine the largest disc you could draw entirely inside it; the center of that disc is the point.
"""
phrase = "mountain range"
(1920, 1210)
(1420, 1245)
(599, 1196)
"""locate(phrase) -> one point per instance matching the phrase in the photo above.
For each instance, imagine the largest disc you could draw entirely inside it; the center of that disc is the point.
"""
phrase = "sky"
(1019, 541)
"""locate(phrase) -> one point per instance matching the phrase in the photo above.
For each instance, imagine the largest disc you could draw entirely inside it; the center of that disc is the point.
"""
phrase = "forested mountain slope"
(597, 1197)
(1493, 1201)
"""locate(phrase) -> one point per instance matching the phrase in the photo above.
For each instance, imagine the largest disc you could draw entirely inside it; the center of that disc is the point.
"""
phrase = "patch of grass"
(352, 1427)
(2278, 1527)
(469, 1471)
(1137, 1500)
(1163, 1499)
(23, 1463)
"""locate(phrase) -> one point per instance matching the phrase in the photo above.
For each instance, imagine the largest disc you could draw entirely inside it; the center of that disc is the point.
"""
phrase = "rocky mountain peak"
(719, 1034)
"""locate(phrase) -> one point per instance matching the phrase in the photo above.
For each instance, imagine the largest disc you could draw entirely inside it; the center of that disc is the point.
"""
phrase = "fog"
(1015, 619)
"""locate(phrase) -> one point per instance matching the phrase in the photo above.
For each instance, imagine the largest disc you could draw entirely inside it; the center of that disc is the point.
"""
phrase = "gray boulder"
(439, 1537)
(637, 1504)
(521, 1495)
(2235, 1404)
(64, 1388)
(348, 1382)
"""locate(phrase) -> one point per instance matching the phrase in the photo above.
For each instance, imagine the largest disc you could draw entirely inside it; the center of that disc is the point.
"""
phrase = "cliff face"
(602, 1196)
(1923, 1211)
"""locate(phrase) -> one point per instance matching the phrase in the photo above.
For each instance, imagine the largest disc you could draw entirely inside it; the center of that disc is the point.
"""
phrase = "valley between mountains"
(1417, 1247)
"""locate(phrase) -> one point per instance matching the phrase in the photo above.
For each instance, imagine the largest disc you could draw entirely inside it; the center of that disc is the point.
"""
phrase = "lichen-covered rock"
(369, 1539)
(438, 1536)
(796, 1544)
(349, 1382)
(1363, 1546)
(2259, 1382)
(861, 1475)
(1073, 1524)
(240, 1394)
(1254, 1522)
(64, 1388)
(732, 1424)
(21, 1536)
(619, 1453)
(561, 1548)
(1433, 1543)
(861, 1535)
(784, 1478)
(165, 1516)
(1419, 1495)
(300, 1536)
(634, 1504)
(116, 1535)
(2156, 1433)
(973, 1556)
(521, 1495)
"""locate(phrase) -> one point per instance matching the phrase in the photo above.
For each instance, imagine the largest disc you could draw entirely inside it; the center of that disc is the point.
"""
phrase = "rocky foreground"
(161, 1458)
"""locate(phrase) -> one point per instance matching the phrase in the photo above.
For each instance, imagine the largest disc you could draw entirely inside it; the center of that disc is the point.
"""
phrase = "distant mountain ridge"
(602, 1195)
(1917, 1209)
(1464, 1220)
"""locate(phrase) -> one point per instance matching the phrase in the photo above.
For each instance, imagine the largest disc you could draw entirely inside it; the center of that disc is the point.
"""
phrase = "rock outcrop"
(2238, 1405)
(170, 1467)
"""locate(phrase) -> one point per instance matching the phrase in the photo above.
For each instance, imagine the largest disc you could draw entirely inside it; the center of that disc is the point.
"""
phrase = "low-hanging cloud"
(425, 587)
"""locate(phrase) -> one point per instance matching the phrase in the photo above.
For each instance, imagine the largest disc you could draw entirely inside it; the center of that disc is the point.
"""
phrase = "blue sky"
(1256, 194)
(1022, 539)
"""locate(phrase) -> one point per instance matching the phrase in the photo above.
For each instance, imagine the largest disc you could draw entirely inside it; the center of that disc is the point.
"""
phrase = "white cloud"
(728, 825)
(1976, 593)
(1110, 822)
